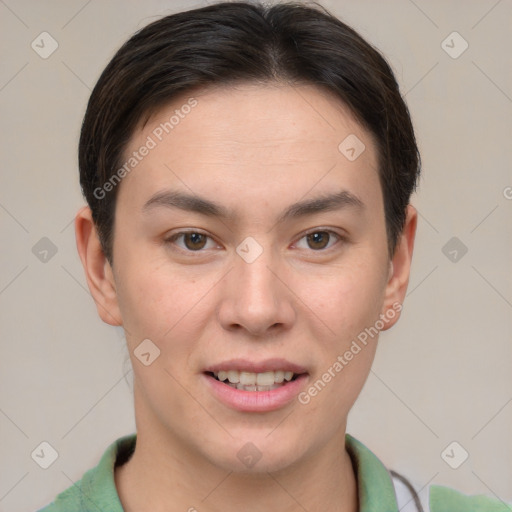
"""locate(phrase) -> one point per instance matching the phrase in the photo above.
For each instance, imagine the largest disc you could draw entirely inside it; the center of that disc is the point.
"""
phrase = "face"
(229, 281)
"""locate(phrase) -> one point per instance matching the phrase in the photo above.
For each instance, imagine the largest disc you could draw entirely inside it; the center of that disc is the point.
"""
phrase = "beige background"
(442, 374)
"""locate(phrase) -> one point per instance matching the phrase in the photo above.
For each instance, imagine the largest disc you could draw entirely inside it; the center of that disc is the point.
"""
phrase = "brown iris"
(194, 241)
(318, 240)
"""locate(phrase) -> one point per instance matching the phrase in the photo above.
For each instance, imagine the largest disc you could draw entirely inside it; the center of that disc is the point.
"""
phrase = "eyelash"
(172, 239)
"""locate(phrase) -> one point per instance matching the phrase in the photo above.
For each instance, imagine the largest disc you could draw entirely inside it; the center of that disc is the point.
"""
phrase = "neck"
(164, 471)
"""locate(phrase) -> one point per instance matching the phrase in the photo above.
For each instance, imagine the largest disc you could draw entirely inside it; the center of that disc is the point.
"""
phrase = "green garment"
(96, 491)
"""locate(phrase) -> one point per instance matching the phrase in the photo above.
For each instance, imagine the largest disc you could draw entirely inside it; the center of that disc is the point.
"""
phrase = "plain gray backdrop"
(441, 375)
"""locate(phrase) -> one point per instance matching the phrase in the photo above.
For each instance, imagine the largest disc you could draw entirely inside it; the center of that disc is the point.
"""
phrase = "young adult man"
(248, 171)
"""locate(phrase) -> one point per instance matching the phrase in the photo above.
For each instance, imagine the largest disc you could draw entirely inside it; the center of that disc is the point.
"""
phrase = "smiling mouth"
(250, 381)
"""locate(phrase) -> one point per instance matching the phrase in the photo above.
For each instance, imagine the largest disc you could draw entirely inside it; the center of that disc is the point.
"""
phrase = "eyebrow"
(203, 206)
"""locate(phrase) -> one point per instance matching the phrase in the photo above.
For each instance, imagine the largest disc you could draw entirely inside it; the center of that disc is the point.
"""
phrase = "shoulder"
(445, 499)
(96, 489)
(382, 489)
(438, 498)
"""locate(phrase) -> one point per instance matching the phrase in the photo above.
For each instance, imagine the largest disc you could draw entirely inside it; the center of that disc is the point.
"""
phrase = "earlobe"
(98, 272)
(400, 267)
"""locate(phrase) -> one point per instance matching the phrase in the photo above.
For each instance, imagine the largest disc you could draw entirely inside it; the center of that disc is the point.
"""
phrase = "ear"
(98, 271)
(399, 269)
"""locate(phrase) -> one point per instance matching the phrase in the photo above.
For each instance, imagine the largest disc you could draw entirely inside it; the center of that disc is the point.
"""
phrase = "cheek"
(347, 299)
(163, 303)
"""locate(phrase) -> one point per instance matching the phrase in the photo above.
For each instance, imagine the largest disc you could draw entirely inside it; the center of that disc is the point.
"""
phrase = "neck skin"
(162, 471)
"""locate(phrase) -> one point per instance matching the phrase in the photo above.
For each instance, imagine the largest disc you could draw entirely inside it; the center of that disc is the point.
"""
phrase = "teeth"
(233, 376)
(248, 387)
(265, 379)
(250, 380)
(247, 379)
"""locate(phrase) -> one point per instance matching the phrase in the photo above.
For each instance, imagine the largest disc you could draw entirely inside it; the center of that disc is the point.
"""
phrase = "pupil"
(195, 238)
(317, 237)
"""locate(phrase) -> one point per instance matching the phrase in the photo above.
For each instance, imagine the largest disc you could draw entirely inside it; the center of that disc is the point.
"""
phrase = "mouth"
(251, 381)
(250, 386)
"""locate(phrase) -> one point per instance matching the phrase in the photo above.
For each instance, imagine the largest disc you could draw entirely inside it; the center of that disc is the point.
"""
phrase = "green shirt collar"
(97, 490)
(374, 484)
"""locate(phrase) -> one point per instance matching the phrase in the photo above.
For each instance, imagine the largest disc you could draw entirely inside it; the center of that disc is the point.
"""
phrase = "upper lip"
(266, 365)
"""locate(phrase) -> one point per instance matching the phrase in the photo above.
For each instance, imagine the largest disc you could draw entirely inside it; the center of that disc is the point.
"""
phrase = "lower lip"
(256, 401)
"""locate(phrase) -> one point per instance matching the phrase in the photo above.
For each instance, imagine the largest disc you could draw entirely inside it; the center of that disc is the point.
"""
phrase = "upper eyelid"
(174, 236)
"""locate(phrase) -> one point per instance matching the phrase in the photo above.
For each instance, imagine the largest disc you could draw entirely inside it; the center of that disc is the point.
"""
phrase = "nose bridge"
(257, 299)
(256, 281)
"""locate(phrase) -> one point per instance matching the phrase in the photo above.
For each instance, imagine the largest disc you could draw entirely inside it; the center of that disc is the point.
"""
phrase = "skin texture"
(255, 149)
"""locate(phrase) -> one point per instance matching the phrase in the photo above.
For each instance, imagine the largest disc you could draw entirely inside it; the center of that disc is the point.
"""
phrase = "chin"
(254, 453)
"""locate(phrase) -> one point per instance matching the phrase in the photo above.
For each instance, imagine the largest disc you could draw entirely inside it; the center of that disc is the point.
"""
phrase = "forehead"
(252, 141)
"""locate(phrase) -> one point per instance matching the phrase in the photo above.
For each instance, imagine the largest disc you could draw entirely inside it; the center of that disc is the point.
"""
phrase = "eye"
(319, 240)
(193, 241)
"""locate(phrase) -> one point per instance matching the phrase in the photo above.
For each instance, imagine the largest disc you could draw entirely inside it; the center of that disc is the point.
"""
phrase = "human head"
(256, 149)
(235, 42)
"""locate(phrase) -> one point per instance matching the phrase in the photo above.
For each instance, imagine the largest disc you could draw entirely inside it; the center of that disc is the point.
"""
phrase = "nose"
(256, 299)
